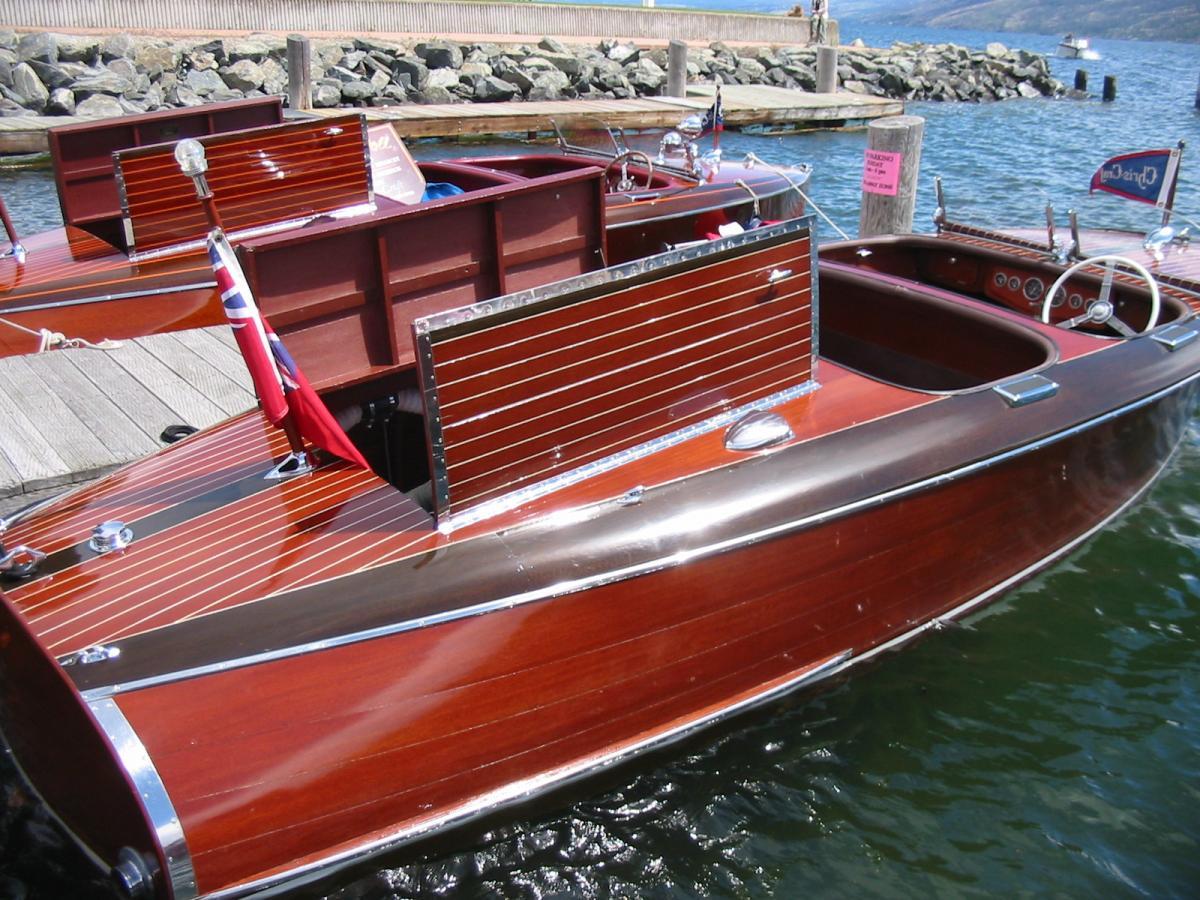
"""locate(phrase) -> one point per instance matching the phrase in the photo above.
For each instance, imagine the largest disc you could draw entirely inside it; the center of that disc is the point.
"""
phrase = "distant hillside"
(1152, 20)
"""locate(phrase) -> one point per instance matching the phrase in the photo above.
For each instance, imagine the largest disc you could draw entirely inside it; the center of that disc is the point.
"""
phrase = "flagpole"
(1168, 208)
(190, 156)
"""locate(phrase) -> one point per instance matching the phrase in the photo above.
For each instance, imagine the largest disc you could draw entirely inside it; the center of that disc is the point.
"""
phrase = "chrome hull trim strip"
(643, 568)
(153, 794)
(104, 298)
(521, 791)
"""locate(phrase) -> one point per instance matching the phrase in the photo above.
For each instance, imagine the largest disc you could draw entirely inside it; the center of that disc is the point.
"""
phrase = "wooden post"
(299, 66)
(1198, 95)
(1081, 79)
(890, 169)
(1110, 88)
(676, 69)
(827, 63)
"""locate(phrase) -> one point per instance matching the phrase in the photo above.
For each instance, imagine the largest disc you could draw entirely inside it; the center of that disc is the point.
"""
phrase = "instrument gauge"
(1034, 288)
(1000, 279)
(1076, 301)
(1014, 283)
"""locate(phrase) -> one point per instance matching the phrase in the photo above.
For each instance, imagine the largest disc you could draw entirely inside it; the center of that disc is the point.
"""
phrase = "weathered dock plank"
(73, 414)
(744, 105)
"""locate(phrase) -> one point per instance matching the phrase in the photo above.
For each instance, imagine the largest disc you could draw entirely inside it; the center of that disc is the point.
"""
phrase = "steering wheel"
(625, 182)
(1101, 310)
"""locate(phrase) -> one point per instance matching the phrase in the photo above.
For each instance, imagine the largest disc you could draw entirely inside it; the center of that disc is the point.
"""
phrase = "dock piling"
(299, 67)
(1110, 88)
(1081, 77)
(676, 69)
(889, 184)
(1198, 95)
(827, 63)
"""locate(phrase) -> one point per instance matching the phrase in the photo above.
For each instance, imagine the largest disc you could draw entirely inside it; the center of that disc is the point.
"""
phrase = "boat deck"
(71, 415)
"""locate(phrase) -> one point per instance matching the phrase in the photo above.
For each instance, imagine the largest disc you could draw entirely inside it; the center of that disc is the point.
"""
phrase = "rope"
(742, 184)
(49, 340)
(795, 187)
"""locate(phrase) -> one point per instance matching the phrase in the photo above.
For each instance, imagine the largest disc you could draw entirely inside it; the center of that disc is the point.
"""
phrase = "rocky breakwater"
(56, 74)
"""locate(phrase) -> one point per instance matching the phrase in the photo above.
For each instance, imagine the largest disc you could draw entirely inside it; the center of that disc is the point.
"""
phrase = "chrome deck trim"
(642, 568)
(103, 298)
(1175, 336)
(521, 791)
(153, 795)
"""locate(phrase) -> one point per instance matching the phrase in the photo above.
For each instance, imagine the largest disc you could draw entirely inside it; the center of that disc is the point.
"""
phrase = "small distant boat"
(1071, 47)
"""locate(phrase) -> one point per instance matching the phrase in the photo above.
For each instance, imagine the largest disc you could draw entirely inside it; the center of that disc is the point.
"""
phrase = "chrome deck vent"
(756, 430)
(1026, 389)
(109, 536)
(1175, 336)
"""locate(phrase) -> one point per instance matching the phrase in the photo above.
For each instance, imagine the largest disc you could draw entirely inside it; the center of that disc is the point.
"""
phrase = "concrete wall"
(399, 16)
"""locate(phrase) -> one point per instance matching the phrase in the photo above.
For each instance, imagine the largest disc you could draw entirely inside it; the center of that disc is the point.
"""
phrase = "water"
(1048, 746)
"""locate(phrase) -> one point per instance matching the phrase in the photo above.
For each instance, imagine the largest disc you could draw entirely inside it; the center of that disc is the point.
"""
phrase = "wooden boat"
(107, 273)
(635, 501)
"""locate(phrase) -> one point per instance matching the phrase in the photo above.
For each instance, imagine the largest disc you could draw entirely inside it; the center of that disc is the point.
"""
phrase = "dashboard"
(1025, 292)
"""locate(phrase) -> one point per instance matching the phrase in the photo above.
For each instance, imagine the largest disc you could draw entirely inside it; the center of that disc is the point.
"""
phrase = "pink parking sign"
(881, 172)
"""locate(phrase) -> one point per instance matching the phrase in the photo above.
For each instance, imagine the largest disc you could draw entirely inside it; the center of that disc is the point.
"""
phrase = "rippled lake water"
(1048, 746)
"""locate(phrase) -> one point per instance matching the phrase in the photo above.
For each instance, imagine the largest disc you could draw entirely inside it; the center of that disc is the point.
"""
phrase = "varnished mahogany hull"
(331, 753)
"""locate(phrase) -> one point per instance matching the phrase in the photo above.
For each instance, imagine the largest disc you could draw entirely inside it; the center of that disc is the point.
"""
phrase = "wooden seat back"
(344, 294)
(526, 389)
(262, 178)
(82, 154)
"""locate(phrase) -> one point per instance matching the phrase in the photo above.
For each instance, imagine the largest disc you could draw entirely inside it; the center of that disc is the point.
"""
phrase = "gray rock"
(566, 63)
(29, 88)
(255, 49)
(182, 95)
(475, 70)
(131, 107)
(204, 81)
(154, 97)
(275, 77)
(6, 70)
(10, 110)
(41, 46)
(341, 74)
(373, 45)
(553, 45)
(435, 95)
(100, 106)
(442, 78)
(78, 48)
(517, 79)
(154, 59)
(380, 80)
(61, 103)
(996, 50)
(1027, 90)
(395, 92)
(115, 46)
(8, 39)
(200, 60)
(353, 59)
(624, 54)
(358, 91)
(645, 76)
(550, 85)
(326, 96)
(751, 70)
(416, 70)
(488, 49)
(440, 54)
(123, 67)
(535, 64)
(104, 83)
(243, 75)
(489, 89)
(371, 66)
(52, 76)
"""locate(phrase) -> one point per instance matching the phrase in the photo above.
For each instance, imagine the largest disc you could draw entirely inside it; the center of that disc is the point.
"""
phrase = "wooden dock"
(70, 415)
(746, 106)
